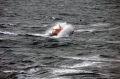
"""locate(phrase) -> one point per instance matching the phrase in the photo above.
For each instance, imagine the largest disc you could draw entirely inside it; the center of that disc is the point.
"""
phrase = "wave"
(8, 33)
(95, 58)
(85, 30)
(66, 31)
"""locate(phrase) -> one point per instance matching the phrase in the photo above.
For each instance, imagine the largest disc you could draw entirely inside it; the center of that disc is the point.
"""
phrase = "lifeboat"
(62, 30)
(56, 31)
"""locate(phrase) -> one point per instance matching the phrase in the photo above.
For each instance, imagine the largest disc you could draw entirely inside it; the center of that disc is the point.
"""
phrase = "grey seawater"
(93, 52)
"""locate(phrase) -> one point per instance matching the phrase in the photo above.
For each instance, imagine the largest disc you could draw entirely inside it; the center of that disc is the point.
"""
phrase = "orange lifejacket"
(56, 31)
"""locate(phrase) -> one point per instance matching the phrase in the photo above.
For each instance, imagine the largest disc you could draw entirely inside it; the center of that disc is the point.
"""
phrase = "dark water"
(93, 52)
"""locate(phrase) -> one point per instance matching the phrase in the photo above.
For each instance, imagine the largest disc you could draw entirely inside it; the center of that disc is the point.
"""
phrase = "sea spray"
(67, 30)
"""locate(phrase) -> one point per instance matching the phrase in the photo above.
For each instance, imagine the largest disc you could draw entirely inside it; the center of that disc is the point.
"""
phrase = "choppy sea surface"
(92, 52)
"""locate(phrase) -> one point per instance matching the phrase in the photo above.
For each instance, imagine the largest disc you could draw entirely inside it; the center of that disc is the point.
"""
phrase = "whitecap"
(84, 64)
(63, 71)
(95, 58)
(85, 30)
(9, 71)
(8, 33)
(33, 70)
(100, 24)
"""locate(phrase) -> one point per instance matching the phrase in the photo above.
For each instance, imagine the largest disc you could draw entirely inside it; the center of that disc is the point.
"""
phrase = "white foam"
(8, 33)
(33, 70)
(9, 71)
(84, 64)
(68, 71)
(100, 24)
(93, 58)
(85, 30)
(115, 42)
(37, 34)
